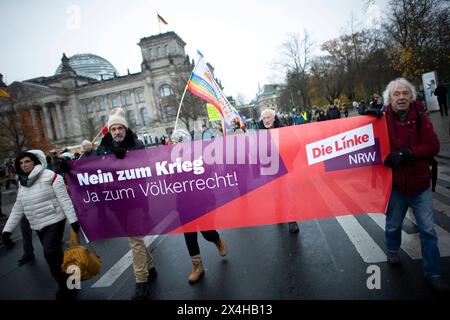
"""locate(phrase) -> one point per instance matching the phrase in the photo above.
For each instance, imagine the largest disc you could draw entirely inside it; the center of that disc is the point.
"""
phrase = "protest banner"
(311, 171)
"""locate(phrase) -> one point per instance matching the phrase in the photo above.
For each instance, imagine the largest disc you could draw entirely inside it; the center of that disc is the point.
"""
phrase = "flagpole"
(92, 142)
(182, 97)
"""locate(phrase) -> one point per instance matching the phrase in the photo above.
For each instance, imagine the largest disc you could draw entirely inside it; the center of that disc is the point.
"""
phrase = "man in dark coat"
(413, 143)
(118, 141)
(441, 93)
(269, 120)
(333, 112)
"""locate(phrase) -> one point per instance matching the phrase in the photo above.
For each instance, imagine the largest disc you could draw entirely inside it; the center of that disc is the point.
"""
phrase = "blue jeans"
(422, 206)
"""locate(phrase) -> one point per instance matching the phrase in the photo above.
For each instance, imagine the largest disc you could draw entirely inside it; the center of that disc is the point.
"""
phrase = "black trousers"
(192, 241)
(443, 108)
(51, 238)
(27, 235)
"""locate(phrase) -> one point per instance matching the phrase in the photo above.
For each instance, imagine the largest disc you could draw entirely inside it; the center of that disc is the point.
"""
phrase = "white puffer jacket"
(43, 203)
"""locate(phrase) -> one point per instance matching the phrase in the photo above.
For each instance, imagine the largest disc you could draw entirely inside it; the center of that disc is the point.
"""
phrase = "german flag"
(161, 19)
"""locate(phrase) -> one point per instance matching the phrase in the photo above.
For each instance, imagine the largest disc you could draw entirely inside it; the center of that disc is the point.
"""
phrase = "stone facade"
(72, 108)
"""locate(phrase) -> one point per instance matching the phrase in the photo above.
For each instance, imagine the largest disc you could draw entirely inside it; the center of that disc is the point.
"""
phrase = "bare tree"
(19, 134)
(296, 61)
(417, 33)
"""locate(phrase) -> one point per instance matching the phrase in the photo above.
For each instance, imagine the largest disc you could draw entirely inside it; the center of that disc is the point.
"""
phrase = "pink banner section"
(311, 171)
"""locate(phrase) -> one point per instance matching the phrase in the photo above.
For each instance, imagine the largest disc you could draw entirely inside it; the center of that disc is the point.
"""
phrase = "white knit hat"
(117, 116)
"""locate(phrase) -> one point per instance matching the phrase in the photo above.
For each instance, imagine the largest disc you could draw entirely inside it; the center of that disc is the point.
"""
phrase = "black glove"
(397, 157)
(6, 237)
(119, 152)
(373, 112)
(75, 226)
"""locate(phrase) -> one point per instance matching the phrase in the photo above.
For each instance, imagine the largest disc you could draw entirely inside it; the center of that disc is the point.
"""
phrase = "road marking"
(411, 242)
(443, 191)
(367, 248)
(441, 207)
(119, 267)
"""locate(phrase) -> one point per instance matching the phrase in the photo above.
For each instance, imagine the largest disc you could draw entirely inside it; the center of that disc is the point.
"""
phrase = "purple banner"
(156, 190)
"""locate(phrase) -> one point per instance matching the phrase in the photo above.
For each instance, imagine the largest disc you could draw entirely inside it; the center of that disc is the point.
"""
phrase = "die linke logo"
(338, 145)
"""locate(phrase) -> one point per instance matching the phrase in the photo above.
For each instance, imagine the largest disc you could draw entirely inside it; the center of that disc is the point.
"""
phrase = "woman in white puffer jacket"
(43, 199)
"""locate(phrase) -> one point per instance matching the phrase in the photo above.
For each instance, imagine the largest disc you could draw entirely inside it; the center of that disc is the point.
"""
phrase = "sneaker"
(437, 284)
(151, 275)
(222, 247)
(25, 259)
(140, 291)
(393, 258)
(293, 227)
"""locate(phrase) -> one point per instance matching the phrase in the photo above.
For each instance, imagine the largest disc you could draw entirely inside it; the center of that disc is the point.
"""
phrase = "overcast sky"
(240, 38)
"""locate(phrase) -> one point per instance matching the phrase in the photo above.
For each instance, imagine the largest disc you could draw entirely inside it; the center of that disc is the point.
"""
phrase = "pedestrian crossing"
(364, 244)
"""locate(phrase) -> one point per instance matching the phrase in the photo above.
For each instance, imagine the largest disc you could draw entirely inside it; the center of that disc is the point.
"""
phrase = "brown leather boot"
(197, 270)
(222, 247)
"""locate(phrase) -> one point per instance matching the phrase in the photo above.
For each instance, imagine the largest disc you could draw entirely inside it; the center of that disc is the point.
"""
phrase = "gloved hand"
(119, 152)
(75, 226)
(373, 112)
(6, 237)
(397, 157)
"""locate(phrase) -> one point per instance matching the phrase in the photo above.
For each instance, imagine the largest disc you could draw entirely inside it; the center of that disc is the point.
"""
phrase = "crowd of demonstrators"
(43, 200)
(410, 154)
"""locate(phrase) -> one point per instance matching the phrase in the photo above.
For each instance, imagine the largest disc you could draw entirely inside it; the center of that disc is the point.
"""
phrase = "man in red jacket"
(413, 143)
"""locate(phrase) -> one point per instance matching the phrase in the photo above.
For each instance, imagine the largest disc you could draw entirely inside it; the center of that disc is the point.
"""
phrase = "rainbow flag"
(202, 84)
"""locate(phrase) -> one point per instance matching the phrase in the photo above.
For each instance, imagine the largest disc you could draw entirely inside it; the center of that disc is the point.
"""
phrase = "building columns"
(33, 117)
(60, 117)
(48, 123)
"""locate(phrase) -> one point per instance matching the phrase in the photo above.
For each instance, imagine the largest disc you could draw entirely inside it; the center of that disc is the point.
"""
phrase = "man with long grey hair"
(413, 143)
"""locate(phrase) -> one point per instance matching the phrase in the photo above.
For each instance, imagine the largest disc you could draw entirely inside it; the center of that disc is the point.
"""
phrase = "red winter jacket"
(416, 133)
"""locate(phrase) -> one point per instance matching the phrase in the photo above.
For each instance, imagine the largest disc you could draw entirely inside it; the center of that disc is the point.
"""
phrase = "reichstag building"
(74, 103)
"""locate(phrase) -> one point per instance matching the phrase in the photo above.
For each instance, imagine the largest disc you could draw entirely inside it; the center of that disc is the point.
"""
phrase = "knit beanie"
(117, 116)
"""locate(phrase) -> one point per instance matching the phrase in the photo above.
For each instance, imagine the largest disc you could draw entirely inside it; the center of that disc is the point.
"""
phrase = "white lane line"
(411, 242)
(119, 267)
(442, 234)
(443, 191)
(440, 206)
(367, 248)
(443, 176)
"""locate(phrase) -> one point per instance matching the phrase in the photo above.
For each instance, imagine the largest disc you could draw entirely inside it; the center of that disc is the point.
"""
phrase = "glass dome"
(90, 65)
